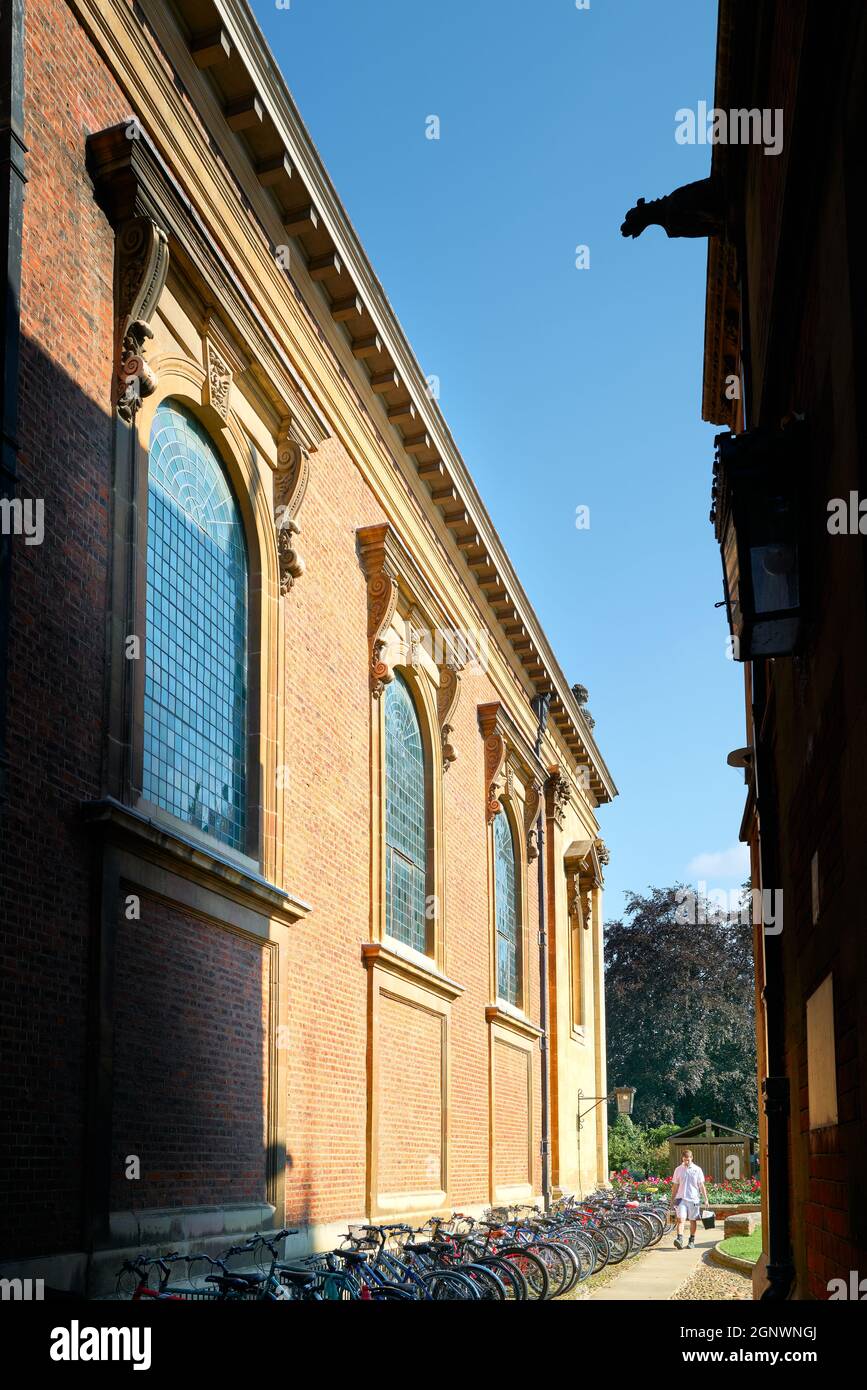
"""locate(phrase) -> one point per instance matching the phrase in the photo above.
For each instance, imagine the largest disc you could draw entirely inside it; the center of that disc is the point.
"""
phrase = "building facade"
(301, 868)
(784, 372)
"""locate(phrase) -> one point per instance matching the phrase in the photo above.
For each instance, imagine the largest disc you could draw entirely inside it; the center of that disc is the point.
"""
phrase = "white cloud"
(723, 863)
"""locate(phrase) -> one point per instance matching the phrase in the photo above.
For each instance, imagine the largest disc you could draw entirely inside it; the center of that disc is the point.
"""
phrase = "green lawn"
(744, 1247)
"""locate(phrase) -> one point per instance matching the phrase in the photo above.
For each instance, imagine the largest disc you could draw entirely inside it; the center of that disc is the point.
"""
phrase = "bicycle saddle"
(240, 1283)
(302, 1277)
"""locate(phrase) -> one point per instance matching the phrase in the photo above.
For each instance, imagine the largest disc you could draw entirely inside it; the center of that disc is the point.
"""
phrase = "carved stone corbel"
(583, 873)
(141, 266)
(290, 485)
(495, 757)
(603, 852)
(533, 797)
(447, 700)
(559, 793)
(382, 593)
(574, 906)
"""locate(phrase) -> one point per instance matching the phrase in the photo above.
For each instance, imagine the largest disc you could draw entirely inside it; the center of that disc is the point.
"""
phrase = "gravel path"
(711, 1282)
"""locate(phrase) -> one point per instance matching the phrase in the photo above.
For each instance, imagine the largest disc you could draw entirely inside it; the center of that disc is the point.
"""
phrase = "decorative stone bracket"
(389, 570)
(558, 790)
(583, 873)
(447, 700)
(502, 748)
(290, 485)
(380, 572)
(531, 812)
(141, 266)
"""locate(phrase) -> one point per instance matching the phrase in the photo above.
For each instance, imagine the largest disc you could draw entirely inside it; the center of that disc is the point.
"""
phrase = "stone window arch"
(407, 843)
(507, 912)
(196, 647)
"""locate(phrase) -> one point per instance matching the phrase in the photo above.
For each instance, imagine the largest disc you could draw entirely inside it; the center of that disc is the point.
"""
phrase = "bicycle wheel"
(450, 1285)
(634, 1234)
(561, 1264)
(490, 1286)
(645, 1229)
(531, 1268)
(618, 1243)
(658, 1226)
(602, 1247)
(583, 1251)
(513, 1280)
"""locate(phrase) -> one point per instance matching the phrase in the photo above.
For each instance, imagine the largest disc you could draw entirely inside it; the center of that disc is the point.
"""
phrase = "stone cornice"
(269, 164)
(358, 301)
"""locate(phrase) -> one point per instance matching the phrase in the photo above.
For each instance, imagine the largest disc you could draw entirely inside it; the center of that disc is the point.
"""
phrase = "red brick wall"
(328, 864)
(56, 652)
(188, 1059)
(191, 1065)
(511, 1114)
(410, 1098)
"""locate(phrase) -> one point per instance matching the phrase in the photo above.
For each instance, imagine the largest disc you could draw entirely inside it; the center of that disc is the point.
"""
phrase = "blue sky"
(562, 387)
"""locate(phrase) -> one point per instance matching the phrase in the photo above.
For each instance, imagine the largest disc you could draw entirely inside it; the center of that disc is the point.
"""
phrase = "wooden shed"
(713, 1145)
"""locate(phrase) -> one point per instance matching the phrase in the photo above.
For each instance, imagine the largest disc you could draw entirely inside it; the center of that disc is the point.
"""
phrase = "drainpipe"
(541, 704)
(775, 1086)
(12, 181)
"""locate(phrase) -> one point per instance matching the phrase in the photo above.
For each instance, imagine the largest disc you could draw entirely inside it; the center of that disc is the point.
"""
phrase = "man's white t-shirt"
(688, 1182)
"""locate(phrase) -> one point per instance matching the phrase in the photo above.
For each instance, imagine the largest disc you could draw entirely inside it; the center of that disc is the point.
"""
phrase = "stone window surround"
(583, 871)
(399, 603)
(514, 781)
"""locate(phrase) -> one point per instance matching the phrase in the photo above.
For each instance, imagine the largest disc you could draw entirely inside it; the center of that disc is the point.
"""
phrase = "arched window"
(406, 839)
(195, 703)
(506, 899)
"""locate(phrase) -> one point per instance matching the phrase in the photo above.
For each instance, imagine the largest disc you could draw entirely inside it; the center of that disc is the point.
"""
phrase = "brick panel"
(410, 1098)
(190, 1062)
(511, 1115)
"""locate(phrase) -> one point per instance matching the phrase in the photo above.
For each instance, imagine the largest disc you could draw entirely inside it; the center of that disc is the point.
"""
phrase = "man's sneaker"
(691, 1245)
(678, 1242)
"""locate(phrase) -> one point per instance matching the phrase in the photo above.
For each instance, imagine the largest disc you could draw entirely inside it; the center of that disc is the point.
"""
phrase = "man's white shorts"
(687, 1211)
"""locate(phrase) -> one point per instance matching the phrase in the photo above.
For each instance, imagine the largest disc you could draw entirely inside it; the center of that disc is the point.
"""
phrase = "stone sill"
(191, 857)
(410, 965)
(508, 1017)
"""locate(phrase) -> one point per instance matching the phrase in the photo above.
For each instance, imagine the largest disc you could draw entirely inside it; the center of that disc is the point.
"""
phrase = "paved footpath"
(659, 1273)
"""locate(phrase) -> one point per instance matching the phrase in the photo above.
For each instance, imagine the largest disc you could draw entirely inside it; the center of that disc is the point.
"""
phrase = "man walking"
(689, 1193)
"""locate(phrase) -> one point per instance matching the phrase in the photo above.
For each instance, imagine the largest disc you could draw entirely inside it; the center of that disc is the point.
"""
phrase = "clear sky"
(562, 387)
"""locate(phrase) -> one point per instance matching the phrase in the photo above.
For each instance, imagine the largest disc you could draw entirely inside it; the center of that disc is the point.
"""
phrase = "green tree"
(680, 1009)
(657, 1147)
(627, 1145)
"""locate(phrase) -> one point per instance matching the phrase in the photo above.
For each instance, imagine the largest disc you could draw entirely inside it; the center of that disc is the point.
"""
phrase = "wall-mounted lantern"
(625, 1096)
(755, 515)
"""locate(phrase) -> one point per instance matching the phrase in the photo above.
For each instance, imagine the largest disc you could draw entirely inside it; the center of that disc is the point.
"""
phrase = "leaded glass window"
(506, 907)
(195, 703)
(405, 819)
